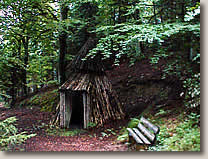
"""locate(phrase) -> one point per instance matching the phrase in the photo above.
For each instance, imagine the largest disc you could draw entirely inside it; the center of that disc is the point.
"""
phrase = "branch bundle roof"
(89, 76)
(83, 71)
(90, 65)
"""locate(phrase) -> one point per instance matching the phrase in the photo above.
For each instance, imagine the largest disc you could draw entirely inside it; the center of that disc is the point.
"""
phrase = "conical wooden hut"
(87, 96)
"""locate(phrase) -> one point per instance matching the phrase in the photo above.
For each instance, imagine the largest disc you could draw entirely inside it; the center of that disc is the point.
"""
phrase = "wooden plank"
(62, 98)
(88, 110)
(150, 125)
(134, 135)
(68, 109)
(142, 137)
(85, 109)
(146, 132)
(64, 111)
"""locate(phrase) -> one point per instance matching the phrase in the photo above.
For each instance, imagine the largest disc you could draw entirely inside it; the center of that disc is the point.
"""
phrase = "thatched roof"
(82, 71)
(77, 82)
(83, 82)
(90, 65)
(89, 76)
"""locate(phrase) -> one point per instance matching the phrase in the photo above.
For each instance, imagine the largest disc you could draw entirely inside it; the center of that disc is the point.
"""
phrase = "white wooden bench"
(145, 133)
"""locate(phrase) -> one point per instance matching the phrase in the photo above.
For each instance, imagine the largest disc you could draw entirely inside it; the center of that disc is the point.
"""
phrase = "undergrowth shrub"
(47, 101)
(54, 130)
(182, 136)
(124, 133)
(9, 136)
(192, 95)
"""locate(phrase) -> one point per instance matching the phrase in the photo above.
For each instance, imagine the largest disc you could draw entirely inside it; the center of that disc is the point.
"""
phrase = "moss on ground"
(56, 131)
(47, 101)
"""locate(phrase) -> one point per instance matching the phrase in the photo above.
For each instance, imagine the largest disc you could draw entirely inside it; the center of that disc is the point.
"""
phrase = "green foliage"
(52, 130)
(161, 112)
(9, 135)
(176, 40)
(108, 132)
(192, 12)
(124, 135)
(123, 39)
(133, 123)
(71, 133)
(91, 125)
(182, 136)
(47, 100)
(192, 95)
(28, 40)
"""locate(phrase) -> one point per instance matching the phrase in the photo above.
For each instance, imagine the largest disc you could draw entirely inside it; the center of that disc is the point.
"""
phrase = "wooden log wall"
(65, 109)
(86, 104)
(62, 105)
(104, 102)
(68, 109)
(100, 102)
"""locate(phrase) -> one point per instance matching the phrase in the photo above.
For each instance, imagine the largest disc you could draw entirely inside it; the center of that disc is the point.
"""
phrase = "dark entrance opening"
(77, 117)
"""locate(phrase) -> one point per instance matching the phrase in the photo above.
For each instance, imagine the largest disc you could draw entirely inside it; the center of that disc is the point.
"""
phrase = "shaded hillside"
(46, 98)
(142, 85)
(138, 87)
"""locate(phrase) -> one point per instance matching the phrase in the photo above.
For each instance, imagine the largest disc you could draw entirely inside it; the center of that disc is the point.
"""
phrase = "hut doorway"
(74, 109)
(77, 117)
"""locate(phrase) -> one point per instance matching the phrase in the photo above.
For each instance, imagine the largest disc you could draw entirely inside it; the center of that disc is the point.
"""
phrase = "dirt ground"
(30, 120)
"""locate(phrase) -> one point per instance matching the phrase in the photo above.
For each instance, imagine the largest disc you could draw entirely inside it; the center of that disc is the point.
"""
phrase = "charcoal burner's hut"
(87, 96)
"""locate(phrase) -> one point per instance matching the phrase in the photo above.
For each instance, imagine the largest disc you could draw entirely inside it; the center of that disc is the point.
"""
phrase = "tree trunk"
(182, 11)
(172, 11)
(121, 11)
(26, 58)
(63, 46)
(154, 9)
(13, 89)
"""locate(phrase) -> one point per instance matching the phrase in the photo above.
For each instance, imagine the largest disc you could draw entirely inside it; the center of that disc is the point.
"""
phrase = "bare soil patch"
(32, 121)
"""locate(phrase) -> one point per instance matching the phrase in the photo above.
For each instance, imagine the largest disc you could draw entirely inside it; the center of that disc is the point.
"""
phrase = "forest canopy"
(39, 38)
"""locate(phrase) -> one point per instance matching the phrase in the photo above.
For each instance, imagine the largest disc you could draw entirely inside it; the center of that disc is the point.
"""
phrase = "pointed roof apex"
(90, 65)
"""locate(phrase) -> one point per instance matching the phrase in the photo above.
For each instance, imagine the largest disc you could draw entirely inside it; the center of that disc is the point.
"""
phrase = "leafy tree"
(40, 37)
(172, 36)
(27, 30)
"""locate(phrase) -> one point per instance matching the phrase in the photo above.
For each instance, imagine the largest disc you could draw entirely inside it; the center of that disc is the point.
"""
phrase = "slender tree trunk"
(19, 67)
(155, 16)
(14, 77)
(161, 14)
(173, 11)
(114, 16)
(26, 58)
(121, 11)
(13, 89)
(63, 47)
(182, 11)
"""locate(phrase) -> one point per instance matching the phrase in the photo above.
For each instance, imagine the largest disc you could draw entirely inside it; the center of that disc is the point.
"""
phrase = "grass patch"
(56, 131)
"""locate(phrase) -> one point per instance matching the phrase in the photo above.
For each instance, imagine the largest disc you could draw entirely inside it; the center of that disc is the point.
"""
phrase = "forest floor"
(177, 130)
(33, 121)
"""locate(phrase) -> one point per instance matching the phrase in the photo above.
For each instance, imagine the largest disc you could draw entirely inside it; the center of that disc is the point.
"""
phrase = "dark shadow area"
(77, 118)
